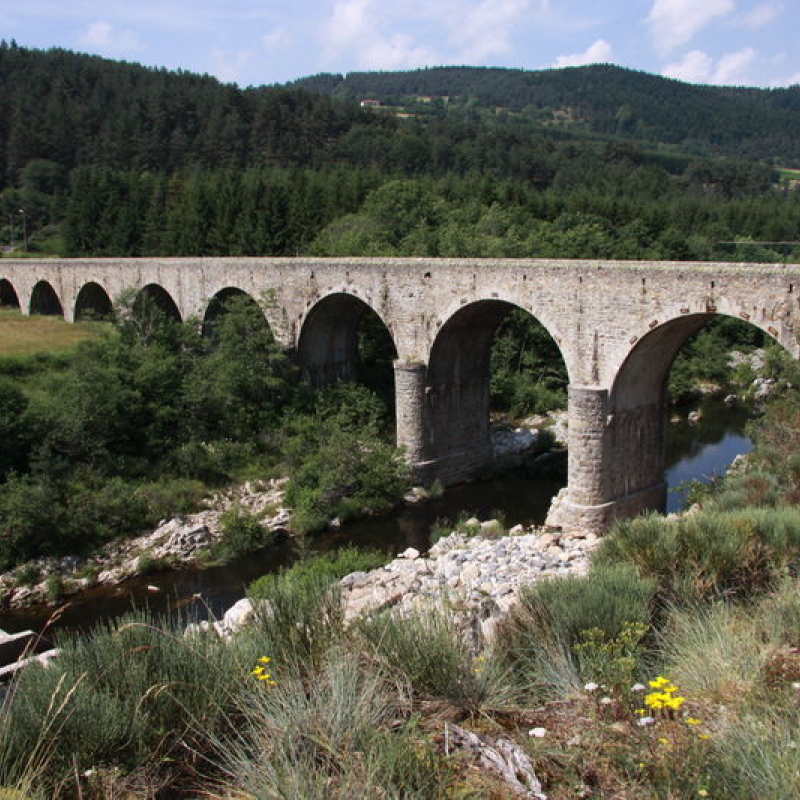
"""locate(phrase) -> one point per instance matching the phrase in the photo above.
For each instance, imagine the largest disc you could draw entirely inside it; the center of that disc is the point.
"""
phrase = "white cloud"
(358, 28)
(600, 52)
(375, 34)
(277, 38)
(103, 38)
(675, 22)
(228, 67)
(731, 67)
(698, 67)
(485, 29)
(694, 67)
(791, 80)
(761, 15)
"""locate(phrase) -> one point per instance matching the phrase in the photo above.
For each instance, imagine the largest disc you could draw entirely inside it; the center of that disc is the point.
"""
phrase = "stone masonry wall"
(600, 313)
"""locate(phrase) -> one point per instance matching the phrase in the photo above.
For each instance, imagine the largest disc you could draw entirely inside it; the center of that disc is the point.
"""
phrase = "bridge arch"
(218, 306)
(328, 342)
(8, 295)
(154, 295)
(45, 300)
(458, 388)
(637, 408)
(92, 302)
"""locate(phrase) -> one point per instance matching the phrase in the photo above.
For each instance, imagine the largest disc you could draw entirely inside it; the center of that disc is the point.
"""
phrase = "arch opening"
(154, 298)
(344, 339)
(92, 303)
(224, 302)
(490, 359)
(8, 295)
(45, 301)
(672, 367)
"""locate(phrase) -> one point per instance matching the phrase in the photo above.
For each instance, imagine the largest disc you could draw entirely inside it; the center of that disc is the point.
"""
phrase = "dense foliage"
(743, 122)
(133, 161)
(142, 419)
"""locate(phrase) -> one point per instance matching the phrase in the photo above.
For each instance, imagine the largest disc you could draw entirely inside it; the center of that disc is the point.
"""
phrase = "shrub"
(538, 639)
(54, 587)
(709, 554)
(242, 533)
(337, 461)
(329, 567)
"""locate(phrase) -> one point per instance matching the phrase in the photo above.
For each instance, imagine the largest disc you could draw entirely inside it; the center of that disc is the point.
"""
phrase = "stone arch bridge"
(618, 325)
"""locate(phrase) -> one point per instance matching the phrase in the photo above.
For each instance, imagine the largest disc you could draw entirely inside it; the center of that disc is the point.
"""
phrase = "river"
(694, 452)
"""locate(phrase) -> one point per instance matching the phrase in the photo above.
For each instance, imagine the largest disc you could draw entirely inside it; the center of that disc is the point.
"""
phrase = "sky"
(256, 42)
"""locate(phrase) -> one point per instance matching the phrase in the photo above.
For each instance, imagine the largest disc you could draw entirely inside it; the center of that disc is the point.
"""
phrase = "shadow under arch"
(458, 388)
(344, 339)
(220, 304)
(45, 301)
(637, 412)
(8, 295)
(92, 303)
(153, 296)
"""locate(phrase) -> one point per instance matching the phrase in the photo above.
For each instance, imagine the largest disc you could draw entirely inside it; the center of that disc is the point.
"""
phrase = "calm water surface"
(694, 452)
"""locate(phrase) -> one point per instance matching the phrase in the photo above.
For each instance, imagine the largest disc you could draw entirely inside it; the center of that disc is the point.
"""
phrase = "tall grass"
(327, 736)
(131, 695)
(537, 639)
(435, 656)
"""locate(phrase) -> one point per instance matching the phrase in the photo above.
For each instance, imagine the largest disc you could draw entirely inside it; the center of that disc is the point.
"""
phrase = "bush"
(538, 639)
(322, 567)
(708, 554)
(337, 461)
(242, 533)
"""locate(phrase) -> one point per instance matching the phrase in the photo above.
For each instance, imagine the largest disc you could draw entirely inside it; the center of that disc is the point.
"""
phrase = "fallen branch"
(502, 757)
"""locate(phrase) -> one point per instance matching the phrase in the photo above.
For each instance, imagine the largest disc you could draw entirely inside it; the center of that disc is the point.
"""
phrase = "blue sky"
(253, 42)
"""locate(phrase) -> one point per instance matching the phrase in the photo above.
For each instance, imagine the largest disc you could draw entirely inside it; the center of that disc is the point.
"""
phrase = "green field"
(21, 335)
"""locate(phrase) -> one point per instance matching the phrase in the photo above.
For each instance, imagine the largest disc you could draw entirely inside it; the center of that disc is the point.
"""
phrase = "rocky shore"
(177, 542)
(477, 570)
(184, 541)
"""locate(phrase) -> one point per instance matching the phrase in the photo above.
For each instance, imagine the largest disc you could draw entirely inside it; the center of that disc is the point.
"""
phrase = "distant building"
(370, 104)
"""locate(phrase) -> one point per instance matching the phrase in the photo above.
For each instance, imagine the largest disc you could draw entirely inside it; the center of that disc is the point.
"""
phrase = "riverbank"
(185, 542)
(476, 570)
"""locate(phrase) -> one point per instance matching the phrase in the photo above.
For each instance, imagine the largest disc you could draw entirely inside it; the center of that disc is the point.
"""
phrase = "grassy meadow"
(23, 336)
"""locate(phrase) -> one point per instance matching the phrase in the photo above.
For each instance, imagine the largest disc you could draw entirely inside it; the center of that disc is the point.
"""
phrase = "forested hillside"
(757, 124)
(106, 158)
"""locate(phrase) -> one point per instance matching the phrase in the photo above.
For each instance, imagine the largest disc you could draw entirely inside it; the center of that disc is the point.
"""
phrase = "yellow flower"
(265, 659)
(257, 671)
(658, 682)
(702, 792)
(692, 721)
(662, 740)
(702, 736)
